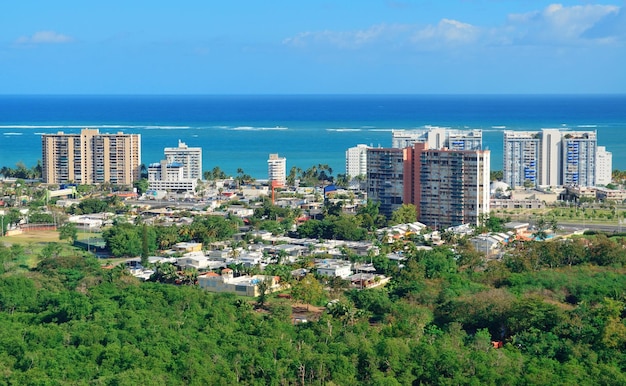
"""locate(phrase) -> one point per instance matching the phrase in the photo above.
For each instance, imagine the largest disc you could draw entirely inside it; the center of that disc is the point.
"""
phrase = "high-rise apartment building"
(438, 138)
(521, 158)
(277, 169)
(579, 158)
(448, 187)
(604, 166)
(189, 157)
(91, 157)
(170, 177)
(356, 161)
(385, 175)
(549, 157)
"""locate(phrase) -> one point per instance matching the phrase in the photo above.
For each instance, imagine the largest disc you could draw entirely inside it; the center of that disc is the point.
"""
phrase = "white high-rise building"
(356, 161)
(170, 177)
(550, 157)
(521, 158)
(604, 166)
(277, 169)
(579, 158)
(189, 157)
(438, 138)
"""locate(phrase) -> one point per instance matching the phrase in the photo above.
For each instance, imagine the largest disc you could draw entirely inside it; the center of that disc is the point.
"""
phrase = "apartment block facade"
(438, 138)
(604, 166)
(550, 157)
(189, 157)
(448, 187)
(170, 177)
(521, 158)
(91, 157)
(277, 169)
(385, 178)
(356, 161)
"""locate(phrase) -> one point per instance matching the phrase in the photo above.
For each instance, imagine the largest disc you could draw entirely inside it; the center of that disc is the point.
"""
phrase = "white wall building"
(189, 157)
(550, 157)
(169, 176)
(277, 169)
(604, 166)
(438, 138)
(356, 161)
(521, 158)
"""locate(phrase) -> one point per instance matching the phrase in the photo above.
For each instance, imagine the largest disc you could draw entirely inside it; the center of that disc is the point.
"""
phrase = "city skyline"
(379, 47)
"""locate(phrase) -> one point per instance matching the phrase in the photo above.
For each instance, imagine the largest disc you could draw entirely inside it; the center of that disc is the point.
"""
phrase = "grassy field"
(34, 242)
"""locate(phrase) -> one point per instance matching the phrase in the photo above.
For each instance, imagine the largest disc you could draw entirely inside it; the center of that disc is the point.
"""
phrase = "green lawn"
(34, 242)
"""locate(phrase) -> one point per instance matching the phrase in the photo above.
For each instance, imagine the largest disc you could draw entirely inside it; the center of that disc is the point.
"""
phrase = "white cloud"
(557, 23)
(448, 31)
(44, 37)
(554, 25)
(347, 39)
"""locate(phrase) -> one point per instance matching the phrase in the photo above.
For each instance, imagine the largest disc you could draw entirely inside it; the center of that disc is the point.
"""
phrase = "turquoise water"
(241, 131)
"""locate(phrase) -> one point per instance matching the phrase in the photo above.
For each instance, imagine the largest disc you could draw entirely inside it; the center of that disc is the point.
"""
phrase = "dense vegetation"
(70, 322)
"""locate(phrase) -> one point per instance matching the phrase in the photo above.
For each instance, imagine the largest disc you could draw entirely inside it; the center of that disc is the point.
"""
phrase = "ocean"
(241, 131)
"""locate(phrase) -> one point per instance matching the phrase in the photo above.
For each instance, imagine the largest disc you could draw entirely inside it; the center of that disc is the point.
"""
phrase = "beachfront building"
(521, 158)
(356, 161)
(91, 157)
(438, 138)
(385, 173)
(277, 170)
(604, 166)
(189, 157)
(170, 177)
(550, 157)
(579, 158)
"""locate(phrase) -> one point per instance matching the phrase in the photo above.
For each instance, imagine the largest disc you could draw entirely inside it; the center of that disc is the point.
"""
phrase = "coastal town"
(418, 265)
(432, 188)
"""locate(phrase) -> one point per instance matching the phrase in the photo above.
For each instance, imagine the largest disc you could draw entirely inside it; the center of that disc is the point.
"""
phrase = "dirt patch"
(306, 311)
(33, 237)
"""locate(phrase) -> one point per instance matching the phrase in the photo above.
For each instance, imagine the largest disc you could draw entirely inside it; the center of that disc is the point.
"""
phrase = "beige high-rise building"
(91, 157)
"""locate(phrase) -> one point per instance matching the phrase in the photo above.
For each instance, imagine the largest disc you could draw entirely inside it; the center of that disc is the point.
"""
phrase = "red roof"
(211, 274)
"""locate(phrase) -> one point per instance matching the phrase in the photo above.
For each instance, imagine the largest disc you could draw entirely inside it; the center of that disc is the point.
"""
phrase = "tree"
(264, 287)
(68, 231)
(145, 251)
(405, 214)
(51, 250)
(308, 290)
(141, 186)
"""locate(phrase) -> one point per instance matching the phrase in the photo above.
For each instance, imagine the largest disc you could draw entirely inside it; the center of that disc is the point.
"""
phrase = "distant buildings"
(243, 285)
(604, 166)
(170, 177)
(521, 158)
(179, 171)
(189, 157)
(438, 138)
(385, 173)
(448, 186)
(277, 169)
(356, 161)
(91, 157)
(551, 157)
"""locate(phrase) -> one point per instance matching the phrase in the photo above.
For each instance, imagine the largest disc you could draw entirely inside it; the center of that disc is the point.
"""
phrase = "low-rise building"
(188, 247)
(334, 268)
(242, 285)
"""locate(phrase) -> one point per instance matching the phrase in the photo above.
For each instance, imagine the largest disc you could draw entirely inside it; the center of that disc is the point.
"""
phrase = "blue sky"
(312, 47)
